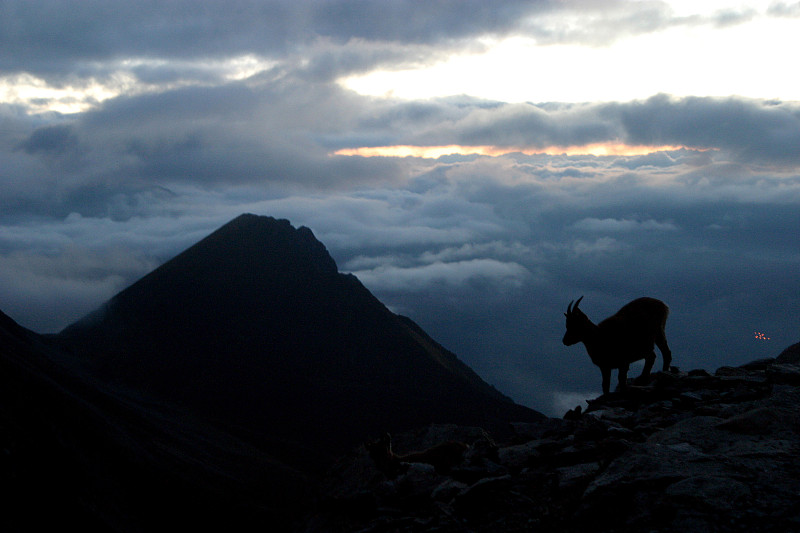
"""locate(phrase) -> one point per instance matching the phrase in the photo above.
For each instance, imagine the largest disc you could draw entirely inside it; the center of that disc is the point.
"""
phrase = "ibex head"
(577, 323)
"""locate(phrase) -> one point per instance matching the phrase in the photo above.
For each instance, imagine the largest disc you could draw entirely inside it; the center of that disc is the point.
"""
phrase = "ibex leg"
(649, 361)
(666, 354)
(606, 379)
(623, 377)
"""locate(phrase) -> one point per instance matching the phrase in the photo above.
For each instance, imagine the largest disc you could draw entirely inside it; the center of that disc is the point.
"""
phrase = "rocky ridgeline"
(690, 451)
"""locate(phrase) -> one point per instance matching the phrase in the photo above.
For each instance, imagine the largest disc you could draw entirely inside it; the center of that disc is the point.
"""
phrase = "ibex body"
(623, 338)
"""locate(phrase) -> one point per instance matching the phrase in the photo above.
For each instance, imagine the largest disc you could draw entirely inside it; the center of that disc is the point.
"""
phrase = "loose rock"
(688, 451)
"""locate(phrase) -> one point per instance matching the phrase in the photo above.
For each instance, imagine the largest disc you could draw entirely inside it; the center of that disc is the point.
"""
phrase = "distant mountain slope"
(255, 328)
(73, 454)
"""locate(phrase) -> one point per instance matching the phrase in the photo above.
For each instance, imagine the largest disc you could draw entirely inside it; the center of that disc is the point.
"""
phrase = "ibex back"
(623, 338)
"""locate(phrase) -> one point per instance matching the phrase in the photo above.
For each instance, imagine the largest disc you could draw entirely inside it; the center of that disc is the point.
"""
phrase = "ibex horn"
(578, 302)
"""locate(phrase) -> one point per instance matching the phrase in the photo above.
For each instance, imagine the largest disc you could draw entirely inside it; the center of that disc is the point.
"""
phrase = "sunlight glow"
(38, 97)
(124, 78)
(684, 60)
(434, 152)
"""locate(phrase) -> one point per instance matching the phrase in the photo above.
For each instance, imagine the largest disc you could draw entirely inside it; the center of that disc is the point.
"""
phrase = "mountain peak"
(255, 327)
(269, 231)
(263, 243)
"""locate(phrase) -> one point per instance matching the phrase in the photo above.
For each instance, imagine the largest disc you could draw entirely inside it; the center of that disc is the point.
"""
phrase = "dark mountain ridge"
(254, 328)
(180, 405)
(74, 453)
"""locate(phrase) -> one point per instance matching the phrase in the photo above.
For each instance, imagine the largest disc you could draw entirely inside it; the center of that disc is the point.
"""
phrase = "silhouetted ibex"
(442, 457)
(622, 338)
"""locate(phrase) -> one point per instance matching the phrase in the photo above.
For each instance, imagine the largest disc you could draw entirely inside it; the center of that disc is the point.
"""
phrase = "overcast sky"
(476, 164)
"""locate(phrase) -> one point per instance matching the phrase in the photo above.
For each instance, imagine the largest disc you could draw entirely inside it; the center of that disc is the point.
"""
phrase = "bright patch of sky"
(79, 94)
(734, 50)
(581, 53)
(433, 152)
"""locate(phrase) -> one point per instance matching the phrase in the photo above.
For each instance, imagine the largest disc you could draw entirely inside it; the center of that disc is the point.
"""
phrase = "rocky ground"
(689, 451)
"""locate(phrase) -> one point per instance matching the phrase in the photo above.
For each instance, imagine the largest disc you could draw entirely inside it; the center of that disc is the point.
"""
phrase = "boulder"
(689, 451)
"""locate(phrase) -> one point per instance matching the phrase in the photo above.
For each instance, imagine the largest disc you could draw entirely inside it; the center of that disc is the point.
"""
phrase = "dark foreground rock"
(690, 451)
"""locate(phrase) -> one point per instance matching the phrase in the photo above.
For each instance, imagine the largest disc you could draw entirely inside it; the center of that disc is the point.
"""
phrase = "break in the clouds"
(113, 47)
(72, 56)
(73, 40)
(130, 131)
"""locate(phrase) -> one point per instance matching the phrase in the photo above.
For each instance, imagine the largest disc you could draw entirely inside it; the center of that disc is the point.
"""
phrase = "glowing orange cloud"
(433, 152)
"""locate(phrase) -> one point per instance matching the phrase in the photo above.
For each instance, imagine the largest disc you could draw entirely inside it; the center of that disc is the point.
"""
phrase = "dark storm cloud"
(64, 41)
(264, 133)
(416, 22)
(55, 37)
(530, 125)
(754, 130)
(280, 132)
(50, 139)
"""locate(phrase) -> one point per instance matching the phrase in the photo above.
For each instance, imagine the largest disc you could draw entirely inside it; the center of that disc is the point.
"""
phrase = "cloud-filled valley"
(484, 252)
